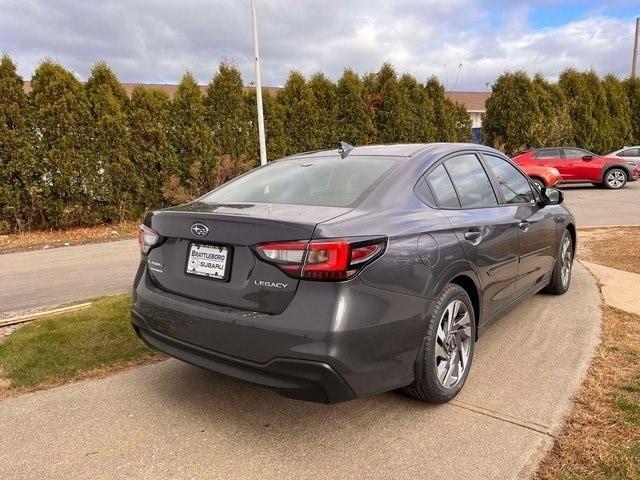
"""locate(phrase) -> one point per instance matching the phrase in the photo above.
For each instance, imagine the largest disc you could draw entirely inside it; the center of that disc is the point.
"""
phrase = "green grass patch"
(72, 345)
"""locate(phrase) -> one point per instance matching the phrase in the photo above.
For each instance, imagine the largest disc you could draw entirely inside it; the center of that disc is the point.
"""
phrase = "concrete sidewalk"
(172, 420)
(620, 289)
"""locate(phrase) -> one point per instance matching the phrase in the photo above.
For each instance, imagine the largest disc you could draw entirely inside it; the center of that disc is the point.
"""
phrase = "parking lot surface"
(597, 206)
(172, 420)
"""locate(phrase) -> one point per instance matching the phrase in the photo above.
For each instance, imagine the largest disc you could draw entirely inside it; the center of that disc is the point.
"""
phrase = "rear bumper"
(334, 342)
(299, 379)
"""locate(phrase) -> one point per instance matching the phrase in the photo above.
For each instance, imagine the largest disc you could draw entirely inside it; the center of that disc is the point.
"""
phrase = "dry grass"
(601, 438)
(612, 247)
(37, 239)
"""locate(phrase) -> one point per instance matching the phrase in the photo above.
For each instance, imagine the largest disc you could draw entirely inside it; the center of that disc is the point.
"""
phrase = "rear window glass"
(330, 181)
(442, 188)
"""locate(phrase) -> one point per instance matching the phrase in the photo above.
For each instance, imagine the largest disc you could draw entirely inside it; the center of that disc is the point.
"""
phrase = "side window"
(471, 181)
(629, 152)
(514, 186)
(548, 153)
(574, 153)
(442, 188)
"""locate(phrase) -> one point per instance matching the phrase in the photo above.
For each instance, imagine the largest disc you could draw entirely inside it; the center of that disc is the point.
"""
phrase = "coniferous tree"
(117, 183)
(443, 113)
(619, 118)
(588, 110)
(324, 91)
(64, 125)
(151, 151)
(463, 121)
(227, 114)
(300, 114)
(353, 121)
(421, 110)
(192, 139)
(632, 87)
(20, 185)
(512, 113)
(553, 124)
(393, 110)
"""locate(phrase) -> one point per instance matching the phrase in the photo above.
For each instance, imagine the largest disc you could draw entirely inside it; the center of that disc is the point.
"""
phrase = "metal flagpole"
(263, 143)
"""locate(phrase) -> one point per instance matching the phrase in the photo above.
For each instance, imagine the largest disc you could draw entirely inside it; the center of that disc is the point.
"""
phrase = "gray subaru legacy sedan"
(331, 275)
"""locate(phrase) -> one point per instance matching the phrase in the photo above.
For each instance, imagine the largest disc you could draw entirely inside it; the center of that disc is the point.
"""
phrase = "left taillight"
(147, 238)
(321, 259)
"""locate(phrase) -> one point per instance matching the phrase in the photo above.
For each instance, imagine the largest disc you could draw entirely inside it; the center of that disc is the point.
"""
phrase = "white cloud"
(158, 41)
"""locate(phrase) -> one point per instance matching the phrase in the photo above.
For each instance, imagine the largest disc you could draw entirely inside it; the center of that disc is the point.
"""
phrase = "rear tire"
(615, 178)
(561, 276)
(446, 354)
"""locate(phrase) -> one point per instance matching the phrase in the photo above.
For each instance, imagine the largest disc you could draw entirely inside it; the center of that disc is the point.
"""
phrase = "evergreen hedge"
(582, 110)
(74, 154)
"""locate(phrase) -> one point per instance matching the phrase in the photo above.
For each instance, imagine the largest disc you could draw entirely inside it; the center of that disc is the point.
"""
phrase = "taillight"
(320, 259)
(147, 238)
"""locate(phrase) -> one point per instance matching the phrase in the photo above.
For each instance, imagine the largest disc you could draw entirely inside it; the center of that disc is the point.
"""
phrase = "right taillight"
(147, 238)
(321, 259)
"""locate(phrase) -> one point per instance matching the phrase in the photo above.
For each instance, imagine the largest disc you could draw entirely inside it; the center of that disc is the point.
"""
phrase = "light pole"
(256, 52)
(634, 65)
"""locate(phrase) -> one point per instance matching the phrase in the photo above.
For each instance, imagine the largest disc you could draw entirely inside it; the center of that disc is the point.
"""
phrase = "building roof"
(473, 101)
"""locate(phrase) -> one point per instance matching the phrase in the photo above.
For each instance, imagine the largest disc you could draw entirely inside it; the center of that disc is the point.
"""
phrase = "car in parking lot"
(336, 274)
(542, 176)
(579, 166)
(630, 155)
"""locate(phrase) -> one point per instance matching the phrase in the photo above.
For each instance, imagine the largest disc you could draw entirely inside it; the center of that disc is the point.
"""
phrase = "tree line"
(78, 154)
(600, 114)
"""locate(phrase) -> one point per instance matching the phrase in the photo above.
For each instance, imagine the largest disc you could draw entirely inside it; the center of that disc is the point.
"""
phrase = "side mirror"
(552, 196)
(587, 158)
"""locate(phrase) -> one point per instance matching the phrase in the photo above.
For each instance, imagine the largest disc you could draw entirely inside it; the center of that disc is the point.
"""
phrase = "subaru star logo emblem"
(199, 229)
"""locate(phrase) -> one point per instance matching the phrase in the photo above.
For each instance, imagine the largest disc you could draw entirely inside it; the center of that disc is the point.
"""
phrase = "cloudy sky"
(465, 43)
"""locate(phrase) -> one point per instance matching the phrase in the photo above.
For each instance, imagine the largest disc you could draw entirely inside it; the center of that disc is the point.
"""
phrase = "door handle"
(474, 235)
(524, 225)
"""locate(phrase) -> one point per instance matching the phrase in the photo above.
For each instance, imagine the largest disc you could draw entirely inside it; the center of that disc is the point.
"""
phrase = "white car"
(631, 156)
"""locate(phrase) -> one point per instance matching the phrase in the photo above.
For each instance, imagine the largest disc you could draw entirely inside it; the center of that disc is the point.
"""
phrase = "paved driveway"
(172, 420)
(44, 278)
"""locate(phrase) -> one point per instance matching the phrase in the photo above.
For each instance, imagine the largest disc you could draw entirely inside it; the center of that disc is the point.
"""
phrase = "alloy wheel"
(566, 261)
(453, 343)
(616, 178)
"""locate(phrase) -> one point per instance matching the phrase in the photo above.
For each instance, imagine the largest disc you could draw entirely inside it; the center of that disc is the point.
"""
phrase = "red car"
(579, 166)
(542, 176)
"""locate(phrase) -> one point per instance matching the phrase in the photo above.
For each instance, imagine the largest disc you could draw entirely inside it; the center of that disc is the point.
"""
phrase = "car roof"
(404, 150)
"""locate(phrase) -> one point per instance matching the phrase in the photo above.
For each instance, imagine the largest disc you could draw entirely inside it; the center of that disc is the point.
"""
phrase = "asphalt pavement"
(44, 278)
(594, 206)
(172, 420)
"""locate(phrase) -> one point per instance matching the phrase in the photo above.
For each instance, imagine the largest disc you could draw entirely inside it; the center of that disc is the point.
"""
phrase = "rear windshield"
(329, 181)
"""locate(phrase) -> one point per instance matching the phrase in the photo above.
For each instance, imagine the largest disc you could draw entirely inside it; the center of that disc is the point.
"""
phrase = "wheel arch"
(610, 166)
(469, 285)
(574, 236)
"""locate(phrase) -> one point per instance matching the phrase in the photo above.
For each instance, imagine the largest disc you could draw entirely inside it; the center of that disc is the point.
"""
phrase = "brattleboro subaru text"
(331, 275)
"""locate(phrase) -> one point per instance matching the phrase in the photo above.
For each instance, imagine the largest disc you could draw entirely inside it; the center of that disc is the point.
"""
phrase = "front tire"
(561, 276)
(615, 178)
(446, 353)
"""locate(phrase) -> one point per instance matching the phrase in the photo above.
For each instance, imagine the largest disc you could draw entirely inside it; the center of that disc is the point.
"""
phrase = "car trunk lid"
(249, 283)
